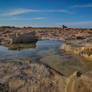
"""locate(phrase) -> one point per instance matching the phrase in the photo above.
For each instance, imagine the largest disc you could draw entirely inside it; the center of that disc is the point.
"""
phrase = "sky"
(46, 13)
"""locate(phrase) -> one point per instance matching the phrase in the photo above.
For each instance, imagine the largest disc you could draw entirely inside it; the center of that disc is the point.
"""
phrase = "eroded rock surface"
(77, 83)
(24, 76)
(84, 51)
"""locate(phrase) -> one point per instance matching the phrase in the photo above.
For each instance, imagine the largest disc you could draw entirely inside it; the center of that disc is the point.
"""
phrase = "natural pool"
(47, 52)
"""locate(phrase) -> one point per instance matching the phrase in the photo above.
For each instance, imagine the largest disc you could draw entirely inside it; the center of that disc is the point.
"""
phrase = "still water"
(47, 52)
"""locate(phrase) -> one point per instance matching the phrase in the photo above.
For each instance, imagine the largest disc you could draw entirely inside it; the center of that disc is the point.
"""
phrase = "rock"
(87, 79)
(23, 38)
(60, 62)
(64, 27)
(25, 76)
(29, 77)
(9, 33)
(34, 77)
(76, 84)
(78, 74)
(78, 50)
(4, 87)
(80, 38)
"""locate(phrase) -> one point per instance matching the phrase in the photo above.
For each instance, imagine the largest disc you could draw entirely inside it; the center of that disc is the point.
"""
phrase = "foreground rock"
(24, 76)
(79, 83)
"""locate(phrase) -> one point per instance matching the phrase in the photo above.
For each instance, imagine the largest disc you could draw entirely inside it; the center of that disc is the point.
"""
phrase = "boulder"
(64, 27)
(23, 38)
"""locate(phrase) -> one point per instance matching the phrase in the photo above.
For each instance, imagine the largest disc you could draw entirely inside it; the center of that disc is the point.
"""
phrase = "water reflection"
(21, 46)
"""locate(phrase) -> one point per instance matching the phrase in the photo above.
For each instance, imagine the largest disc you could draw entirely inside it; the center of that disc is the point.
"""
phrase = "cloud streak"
(77, 24)
(23, 11)
(18, 18)
(82, 6)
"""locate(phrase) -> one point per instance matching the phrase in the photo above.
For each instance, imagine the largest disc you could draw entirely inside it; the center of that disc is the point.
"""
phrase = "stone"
(64, 27)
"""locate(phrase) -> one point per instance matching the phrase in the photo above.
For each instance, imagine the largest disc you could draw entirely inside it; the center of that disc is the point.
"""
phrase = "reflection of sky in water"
(28, 53)
(48, 43)
(2, 48)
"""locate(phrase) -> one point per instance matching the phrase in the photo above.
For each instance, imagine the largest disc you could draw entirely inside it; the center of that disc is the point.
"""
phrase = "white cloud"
(38, 18)
(82, 6)
(22, 11)
(17, 12)
(33, 24)
(18, 18)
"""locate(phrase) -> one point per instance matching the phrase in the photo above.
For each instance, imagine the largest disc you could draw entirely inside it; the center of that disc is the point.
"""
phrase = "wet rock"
(78, 74)
(59, 63)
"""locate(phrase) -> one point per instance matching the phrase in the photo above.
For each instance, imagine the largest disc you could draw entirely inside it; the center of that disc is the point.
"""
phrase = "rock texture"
(25, 76)
(84, 51)
(78, 41)
(22, 38)
(77, 83)
(27, 35)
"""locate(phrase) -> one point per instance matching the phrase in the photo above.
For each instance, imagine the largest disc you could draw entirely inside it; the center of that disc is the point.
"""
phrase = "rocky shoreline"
(26, 76)
(78, 41)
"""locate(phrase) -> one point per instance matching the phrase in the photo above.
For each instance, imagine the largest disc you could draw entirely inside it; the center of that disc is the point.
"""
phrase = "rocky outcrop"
(76, 40)
(23, 38)
(67, 35)
(84, 51)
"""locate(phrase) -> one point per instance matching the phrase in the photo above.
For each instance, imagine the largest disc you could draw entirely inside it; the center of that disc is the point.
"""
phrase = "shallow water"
(47, 52)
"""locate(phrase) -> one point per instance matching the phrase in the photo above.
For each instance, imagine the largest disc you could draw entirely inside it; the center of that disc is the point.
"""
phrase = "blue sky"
(47, 13)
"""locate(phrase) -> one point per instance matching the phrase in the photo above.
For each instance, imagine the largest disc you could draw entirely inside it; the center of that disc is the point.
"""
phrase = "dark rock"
(78, 74)
(64, 27)
(4, 87)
